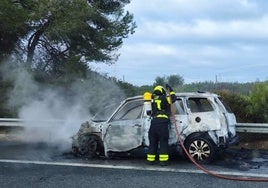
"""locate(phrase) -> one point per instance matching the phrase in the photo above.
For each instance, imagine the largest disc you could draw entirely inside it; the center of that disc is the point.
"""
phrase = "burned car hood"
(86, 128)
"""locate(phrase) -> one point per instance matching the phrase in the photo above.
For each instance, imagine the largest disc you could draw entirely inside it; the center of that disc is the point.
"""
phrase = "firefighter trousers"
(158, 134)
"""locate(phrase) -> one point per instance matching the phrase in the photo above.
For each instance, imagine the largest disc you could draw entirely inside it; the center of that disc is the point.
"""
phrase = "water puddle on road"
(244, 159)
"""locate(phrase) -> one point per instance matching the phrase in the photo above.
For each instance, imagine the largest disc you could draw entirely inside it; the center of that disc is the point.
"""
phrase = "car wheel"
(88, 146)
(201, 149)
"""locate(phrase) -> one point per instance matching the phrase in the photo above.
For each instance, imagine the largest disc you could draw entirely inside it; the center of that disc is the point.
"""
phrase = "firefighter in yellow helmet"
(159, 132)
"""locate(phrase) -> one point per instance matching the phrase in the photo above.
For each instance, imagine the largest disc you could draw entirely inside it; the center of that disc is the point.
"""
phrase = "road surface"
(41, 165)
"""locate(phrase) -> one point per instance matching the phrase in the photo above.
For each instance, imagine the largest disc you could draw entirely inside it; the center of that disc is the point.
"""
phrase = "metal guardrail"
(11, 122)
(240, 127)
(252, 127)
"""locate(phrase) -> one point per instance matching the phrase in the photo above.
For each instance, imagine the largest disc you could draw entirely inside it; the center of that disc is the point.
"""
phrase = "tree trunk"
(33, 42)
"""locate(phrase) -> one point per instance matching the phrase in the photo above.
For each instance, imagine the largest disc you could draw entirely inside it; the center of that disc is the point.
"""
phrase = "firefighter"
(159, 131)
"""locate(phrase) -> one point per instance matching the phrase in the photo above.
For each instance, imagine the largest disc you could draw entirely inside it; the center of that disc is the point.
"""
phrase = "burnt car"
(205, 124)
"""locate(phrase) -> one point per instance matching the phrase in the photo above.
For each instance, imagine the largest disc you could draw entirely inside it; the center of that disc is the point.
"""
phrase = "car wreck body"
(204, 123)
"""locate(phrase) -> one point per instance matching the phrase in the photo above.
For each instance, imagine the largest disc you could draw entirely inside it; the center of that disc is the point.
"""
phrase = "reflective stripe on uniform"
(169, 97)
(163, 157)
(162, 116)
(150, 157)
(169, 100)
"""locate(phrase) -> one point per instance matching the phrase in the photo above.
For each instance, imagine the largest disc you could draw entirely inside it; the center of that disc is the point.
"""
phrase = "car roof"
(181, 94)
(196, 94)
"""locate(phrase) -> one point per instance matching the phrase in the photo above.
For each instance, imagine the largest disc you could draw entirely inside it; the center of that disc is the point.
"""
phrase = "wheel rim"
(199, 150)
(88, 146)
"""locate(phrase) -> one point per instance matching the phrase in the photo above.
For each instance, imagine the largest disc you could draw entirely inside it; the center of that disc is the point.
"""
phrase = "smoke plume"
(53, 114)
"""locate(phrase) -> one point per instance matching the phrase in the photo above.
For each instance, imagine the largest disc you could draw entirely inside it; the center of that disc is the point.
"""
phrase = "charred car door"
(203, 115)
(125, 131)
(181, 121)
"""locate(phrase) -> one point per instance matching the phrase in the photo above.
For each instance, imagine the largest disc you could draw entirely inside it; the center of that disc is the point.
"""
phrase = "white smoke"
(51, 119)
(53, 114)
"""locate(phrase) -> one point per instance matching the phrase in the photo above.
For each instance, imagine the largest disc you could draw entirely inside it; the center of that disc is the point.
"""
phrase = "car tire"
(88, 146)
(202, 149)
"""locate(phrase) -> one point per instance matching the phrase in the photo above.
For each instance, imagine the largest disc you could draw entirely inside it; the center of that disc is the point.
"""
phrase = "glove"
(168, 87)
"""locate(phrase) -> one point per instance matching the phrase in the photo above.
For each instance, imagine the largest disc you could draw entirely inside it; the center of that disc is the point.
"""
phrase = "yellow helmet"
(159, 90)
(147, 96)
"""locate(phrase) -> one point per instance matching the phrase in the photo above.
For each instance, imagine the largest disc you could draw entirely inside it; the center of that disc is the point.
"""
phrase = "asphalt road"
(40, 165)
(34, 175)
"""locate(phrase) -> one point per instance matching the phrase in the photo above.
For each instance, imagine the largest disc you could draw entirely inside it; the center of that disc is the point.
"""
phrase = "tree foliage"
(12, 26)
(128, 89)
(239, 104)
(174, 80)
(56, 39)
(53, 33)
(259, 102)
(5, 111)
(249, 108)
(160, 81)
(239, 88)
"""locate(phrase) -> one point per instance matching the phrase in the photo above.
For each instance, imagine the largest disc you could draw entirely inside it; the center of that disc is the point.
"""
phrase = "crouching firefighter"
(159, 128)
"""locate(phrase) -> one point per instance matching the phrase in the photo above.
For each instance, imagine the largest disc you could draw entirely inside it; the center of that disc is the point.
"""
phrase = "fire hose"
(203, 168)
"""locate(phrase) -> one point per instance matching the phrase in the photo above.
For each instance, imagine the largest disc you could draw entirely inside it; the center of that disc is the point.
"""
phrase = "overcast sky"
(197, 39)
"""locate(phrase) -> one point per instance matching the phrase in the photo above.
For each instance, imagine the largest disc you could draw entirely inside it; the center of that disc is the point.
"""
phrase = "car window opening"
(199, 105)
(130, 111)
